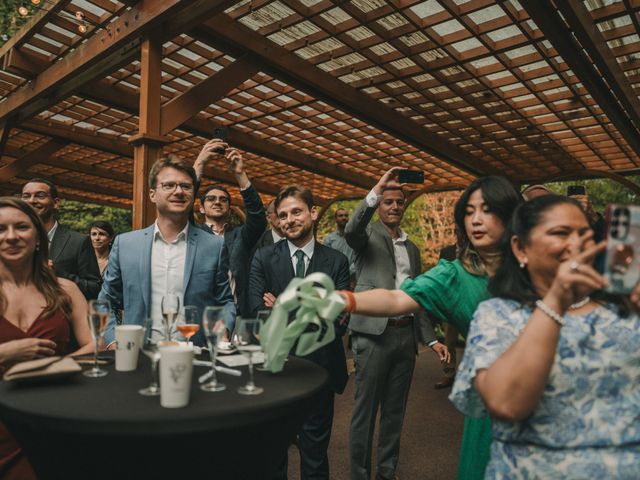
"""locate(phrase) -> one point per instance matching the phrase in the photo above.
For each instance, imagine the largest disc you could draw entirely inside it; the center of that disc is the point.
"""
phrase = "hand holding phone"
(220, 133)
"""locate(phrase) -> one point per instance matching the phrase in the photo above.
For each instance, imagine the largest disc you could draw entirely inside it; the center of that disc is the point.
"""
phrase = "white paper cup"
(127, 347)
(176, 368)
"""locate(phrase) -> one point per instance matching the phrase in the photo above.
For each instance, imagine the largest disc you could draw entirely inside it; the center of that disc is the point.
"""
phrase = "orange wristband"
(351, 300)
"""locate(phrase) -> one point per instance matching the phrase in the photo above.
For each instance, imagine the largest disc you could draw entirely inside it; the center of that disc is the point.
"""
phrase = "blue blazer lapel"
(145, 267)
(192, 247)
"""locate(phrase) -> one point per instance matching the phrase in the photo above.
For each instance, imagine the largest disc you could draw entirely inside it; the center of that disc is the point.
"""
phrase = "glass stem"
(250, 383)
(154, 375)
(214, 379)
(95, 355)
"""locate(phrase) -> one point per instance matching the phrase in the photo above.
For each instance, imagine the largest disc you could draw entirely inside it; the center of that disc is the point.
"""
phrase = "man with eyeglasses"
(215, 205)
(70, 252)
(172, 256)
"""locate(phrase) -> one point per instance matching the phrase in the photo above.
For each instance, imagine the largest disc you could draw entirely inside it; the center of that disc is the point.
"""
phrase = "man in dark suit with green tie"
(272, 269)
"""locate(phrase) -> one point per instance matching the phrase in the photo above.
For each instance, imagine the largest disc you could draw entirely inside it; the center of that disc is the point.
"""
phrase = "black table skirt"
(102, 428)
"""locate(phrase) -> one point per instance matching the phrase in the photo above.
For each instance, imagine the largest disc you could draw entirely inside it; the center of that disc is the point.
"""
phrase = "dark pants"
(313, 442)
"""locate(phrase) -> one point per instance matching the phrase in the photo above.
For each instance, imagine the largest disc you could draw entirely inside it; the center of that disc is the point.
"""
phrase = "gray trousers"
(384, 367)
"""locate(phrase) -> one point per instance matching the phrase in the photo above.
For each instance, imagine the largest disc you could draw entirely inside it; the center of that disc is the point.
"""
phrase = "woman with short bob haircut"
(553, 361)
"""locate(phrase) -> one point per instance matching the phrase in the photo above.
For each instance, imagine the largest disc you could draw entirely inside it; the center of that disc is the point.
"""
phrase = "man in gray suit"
(384, 349)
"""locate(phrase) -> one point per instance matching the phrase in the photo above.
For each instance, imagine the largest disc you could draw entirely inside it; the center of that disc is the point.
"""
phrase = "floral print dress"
(587, 424)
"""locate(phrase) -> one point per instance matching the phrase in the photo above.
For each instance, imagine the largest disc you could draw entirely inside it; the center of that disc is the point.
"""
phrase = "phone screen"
(410, 176)
(576, 190)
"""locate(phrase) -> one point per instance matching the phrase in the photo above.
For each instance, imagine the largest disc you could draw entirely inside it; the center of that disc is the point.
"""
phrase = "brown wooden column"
(148, 142)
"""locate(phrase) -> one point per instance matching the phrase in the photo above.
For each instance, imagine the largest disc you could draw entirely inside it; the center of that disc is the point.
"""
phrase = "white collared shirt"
(403, 266)
(275, 236)
(52, 232)
(167, 272)
(306, 249)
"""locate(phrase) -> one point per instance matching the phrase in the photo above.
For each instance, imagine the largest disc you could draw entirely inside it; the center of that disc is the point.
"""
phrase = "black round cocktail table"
(94, 428)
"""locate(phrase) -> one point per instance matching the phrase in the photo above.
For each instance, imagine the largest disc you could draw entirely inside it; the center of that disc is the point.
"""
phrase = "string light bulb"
(23, 11)
(82, 28)
(79, 15)
(35, 2)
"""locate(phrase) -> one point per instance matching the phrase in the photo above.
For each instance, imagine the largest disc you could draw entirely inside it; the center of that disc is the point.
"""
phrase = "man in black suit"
(70, 252)
(272, 235)
(215, 204)
(272, 269)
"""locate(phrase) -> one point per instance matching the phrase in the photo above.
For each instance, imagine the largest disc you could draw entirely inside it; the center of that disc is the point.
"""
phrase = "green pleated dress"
(451, 293)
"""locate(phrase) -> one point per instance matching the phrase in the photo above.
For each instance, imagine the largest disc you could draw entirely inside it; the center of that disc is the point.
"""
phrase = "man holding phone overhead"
(215, 205)
(384, 349)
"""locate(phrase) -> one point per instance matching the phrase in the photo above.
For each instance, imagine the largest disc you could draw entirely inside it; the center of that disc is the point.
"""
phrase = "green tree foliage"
(78, 216)
(10, 20)
(601, 191)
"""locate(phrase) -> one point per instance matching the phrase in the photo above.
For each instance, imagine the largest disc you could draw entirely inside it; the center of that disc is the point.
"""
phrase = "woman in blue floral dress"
(558, 370)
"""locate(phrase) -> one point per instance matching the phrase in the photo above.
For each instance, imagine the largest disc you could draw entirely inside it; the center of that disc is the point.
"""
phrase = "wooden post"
(148, 142)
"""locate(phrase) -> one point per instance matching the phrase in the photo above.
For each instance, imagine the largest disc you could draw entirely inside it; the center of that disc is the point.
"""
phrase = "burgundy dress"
(55, 327)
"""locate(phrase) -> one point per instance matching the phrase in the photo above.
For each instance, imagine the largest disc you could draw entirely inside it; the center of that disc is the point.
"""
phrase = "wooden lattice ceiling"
(326, 93)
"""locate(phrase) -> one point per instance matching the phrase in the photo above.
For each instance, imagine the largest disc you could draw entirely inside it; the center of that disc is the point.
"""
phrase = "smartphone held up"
(410, 176)
(622, 264)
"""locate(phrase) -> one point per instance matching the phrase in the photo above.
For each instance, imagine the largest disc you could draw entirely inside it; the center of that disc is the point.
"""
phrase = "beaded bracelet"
(549, 312)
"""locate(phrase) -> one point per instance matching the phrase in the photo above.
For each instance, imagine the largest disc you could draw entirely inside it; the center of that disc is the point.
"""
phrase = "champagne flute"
(170, 307)
(246, 340)
(98, 317)
(213, 327)
(262, 316)
(188, 324)
(150, 349)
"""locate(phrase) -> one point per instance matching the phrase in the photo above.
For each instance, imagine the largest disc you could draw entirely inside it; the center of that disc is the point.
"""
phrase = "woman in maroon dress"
(37, 310)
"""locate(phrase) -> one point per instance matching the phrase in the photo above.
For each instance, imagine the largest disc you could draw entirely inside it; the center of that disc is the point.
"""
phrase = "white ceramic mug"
(176, 369)
(127, 347)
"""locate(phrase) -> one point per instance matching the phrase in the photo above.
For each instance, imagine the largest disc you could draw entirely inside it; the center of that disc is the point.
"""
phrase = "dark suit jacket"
(272, 270)
(73, 258)
(240, 243)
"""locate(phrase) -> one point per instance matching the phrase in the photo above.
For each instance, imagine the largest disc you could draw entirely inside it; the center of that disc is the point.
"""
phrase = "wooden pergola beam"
(236, 39)
(591, 39)
(187, 105)
(24, 162)
(86, 138)
(107, 49)
(123, 99)
(546, 17)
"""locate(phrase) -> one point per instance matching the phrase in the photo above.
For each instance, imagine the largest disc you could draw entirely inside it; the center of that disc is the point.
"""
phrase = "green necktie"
(300, 263)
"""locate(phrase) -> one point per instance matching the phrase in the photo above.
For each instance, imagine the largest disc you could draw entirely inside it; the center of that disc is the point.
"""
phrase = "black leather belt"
(400, 321)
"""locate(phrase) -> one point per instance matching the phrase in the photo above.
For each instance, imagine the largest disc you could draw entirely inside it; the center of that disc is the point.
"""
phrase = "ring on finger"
(574, 266)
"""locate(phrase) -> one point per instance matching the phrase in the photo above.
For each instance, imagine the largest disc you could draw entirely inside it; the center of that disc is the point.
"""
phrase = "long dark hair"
(42, 275)
(501, 198)
(511, 281)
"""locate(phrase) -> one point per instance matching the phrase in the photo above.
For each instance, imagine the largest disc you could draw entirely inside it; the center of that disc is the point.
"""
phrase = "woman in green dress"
(453, 289)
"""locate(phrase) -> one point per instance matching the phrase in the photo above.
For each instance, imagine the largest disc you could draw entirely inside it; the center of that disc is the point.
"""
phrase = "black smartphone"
(622, 262)
(410, 176)
(576, 190)
(220, 133)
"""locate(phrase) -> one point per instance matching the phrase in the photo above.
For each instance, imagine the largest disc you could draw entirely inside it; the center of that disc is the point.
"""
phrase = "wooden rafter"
(23, 163)
(237, 39)
(545, 15)
(587, 33)
(126, 101)
(105, 51)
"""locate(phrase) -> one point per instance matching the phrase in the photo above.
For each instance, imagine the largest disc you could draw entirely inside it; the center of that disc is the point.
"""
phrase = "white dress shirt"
(308, 253)
(167, 273)
(275, 236)
(52, 232)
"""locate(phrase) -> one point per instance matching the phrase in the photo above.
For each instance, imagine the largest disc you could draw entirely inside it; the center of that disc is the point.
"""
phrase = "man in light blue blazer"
(171, 256)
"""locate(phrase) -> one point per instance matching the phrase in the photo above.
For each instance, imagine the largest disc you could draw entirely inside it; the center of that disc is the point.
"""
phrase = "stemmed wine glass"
(246, 340)
(213, 327)
(98, 317)
(262, 316)
(150, 349)
(170, 307)
(188, 324)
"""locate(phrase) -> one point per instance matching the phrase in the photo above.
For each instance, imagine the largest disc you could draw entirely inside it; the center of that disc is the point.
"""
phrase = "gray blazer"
(376, 268)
